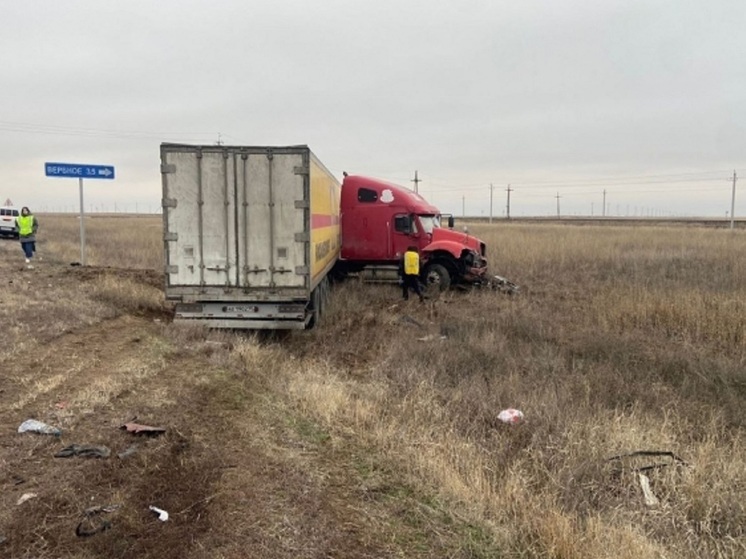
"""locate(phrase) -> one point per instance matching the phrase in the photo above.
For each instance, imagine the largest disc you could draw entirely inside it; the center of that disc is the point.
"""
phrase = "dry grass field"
(376, 435)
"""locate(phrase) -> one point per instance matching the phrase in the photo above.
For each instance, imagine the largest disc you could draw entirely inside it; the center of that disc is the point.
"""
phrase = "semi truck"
(250, 234)
(381, 219)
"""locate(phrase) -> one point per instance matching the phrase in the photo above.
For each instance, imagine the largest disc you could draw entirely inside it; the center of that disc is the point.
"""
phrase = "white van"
(8, 217)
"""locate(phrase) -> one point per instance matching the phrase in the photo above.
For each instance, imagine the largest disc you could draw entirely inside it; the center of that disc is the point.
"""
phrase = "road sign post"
(82, 224)
(80, 172)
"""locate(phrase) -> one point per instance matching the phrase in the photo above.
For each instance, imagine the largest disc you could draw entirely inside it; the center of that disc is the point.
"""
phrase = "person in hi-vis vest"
(411, 273)
(27, 225)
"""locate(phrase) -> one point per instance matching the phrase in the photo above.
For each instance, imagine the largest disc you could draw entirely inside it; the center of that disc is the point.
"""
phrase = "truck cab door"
(404, 234)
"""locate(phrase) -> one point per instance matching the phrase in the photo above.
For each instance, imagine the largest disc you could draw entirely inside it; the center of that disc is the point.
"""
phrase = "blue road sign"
(79, 171)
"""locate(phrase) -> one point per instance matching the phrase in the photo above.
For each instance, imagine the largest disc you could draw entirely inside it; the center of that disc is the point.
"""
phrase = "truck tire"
(319, 301)
(437, 277)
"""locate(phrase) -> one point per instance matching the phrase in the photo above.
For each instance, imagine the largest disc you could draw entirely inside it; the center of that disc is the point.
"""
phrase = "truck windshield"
(429, 222)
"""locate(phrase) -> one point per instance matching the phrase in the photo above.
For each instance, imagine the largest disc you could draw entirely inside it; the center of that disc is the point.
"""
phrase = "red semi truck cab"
(381, 219)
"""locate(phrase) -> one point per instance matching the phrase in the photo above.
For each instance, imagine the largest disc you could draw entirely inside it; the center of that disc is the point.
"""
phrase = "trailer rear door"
(236, 217)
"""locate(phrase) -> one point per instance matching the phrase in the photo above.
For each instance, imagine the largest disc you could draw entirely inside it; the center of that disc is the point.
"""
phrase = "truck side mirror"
(450, 222)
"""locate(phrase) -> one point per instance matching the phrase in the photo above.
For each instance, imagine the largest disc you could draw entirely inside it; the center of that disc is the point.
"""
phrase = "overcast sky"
(643, 99)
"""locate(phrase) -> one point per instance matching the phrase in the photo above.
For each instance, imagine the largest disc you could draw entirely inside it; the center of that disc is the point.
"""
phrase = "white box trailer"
(250, 234)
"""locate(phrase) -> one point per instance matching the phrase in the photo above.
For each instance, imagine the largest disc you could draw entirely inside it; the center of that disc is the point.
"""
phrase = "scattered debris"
(674, 459)
(60, 405)
(34, 426)
(407, 318)
(17, 480)
(431, 337)
(137, 429)
(85, 451)
(162, 514)
(25, 497)
(503, 285)
(92, 522)
(511, 416)
(650, 499)
(3, 539)
(128, 452)
(631, 462)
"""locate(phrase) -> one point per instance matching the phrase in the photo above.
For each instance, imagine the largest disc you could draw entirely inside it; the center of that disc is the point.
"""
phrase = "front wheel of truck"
(437, 277)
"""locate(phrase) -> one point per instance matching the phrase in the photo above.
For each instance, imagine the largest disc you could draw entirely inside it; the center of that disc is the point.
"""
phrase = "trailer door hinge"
(301, 270)
(301, 170)
(302, 204)
(304, 237)
(168, 168)
(171, 236)
(168, 202)
(172, 269)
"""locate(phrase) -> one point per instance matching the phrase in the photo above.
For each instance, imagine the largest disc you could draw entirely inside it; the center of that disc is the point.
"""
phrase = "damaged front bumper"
(477, 274)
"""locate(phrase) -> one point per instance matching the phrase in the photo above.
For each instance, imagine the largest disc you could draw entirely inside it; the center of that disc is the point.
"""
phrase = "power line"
(591, 187)
(659, 178)
(664, 176)
(50, 129)
(676, 190)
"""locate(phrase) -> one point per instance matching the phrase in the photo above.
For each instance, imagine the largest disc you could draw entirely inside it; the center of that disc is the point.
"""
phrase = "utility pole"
(603, 213)
(508, 190)
(558, 207)
(220, 140)
(491, 189)
(463, 206)
(416, 182)
(733, 202)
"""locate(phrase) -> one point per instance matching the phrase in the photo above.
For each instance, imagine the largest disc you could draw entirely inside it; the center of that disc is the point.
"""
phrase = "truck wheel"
(437, 277)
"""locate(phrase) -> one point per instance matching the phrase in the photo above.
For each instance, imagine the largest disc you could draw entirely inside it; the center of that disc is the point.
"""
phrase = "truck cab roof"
(359, 190)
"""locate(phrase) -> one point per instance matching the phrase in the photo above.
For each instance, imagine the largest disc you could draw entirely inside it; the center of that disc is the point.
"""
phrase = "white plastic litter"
(511, 416)
(431, 337)
(34, 426)
(25, 497)
(650, 499)
(162, 514)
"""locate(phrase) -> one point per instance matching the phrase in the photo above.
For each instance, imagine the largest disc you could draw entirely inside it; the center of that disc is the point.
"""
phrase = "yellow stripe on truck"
(325, 230)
